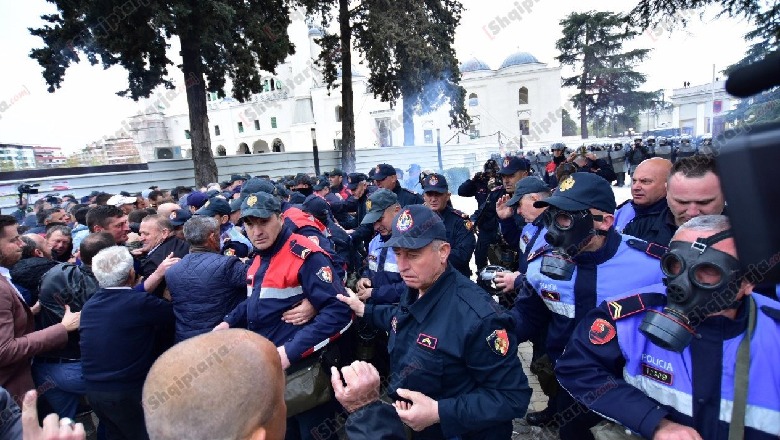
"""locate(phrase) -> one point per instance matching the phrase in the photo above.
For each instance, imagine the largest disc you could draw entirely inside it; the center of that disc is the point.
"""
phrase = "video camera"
(28, 188)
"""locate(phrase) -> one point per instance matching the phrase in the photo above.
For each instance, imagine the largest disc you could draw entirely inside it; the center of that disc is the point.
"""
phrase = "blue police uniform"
(304, 224)
(229, 233)
(382, 270)
(457, 346)
(460, 237)
(623, 214)
(531, 241)
(617, 372)
(653, 223)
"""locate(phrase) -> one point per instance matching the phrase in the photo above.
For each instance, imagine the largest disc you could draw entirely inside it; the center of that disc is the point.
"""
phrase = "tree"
(408, 46)
(592, 42)
(219, 39)
(568, 126)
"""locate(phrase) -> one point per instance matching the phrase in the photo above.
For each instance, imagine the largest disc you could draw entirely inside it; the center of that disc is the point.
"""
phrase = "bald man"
(167, 208)
(201, 389)
(647, 215)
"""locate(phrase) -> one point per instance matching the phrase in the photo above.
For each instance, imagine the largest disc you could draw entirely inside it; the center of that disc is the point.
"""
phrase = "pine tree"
(592, 43)
(219, 39)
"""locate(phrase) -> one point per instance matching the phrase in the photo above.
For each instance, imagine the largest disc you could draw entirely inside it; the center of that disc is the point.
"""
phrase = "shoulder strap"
(623, 307)
(737, 425)
(652, 249)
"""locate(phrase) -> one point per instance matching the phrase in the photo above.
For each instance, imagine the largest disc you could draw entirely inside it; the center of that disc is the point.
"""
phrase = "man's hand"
(503, 211)
(351, 299)
(70, 319)
(283, 356)
(668, 430)
(169, 261)
(221, 326)
(362, 385)
(363, 283)
(421, 413)
(300, 314)
(36, 308)
(506, 281)
(364, 294)
(53, 428)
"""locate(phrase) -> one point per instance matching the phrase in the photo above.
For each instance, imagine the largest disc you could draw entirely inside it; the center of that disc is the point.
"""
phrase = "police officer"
(318, 208)
(635, 359)
(458, 225)
(585, 261)
(356, 202)
(637, 154)
(288, 269)
(219, 208)
(337, 184)
(617, 155)
(385, 177)
(454, 365)
(558, 150)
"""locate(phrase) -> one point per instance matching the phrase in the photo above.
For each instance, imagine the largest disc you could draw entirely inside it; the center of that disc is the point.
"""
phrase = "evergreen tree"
(592, 43)
(219, 39)
(568, 126)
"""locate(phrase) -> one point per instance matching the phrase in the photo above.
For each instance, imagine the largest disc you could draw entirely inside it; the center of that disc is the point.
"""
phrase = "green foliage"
(592, 42)
(569, 127)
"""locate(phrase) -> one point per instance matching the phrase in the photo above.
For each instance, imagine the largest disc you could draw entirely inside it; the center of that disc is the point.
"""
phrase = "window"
(240, 127)
(257, 124)
(428, 135)
(187, 134)
(523, 95)
(474, 131)
(273, 122)
(473, 100)
(339, 113)
(216, 130)
(266, 86)
(525, 127)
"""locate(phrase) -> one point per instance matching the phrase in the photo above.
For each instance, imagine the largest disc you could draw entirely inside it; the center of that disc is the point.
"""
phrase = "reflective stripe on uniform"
(372, 266)
(391, 267)
(664, 394)
(560, 308)
(277, 293)
(756, 417)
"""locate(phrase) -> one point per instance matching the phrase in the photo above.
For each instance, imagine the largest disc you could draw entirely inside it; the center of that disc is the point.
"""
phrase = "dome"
(315, 32)
(473, 65)
(519, 59)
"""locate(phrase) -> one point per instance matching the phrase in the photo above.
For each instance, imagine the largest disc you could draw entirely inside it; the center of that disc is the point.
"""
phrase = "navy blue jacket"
(118, 332)
(654, 223)
(456, 346)
(204, 287)
(406, 197)
(460, 238)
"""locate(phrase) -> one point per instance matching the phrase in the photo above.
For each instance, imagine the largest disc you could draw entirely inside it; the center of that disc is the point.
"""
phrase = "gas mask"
(567, 232)
(699, 281)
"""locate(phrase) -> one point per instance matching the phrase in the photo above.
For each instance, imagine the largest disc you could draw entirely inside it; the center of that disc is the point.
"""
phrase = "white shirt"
(7, 274)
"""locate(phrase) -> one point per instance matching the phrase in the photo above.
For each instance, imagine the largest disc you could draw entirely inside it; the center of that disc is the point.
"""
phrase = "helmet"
(558, 146)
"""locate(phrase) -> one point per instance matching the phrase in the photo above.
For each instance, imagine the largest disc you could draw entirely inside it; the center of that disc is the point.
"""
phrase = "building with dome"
(519, 99)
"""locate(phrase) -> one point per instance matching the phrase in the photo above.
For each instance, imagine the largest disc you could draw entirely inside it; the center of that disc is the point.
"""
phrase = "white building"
(16, 157)
(693, 110)
(520, 100)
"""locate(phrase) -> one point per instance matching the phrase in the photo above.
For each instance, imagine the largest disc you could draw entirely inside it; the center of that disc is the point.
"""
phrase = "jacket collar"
(607, 251)
(421, 307)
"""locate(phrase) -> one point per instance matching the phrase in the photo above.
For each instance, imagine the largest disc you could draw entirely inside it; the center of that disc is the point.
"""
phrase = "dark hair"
(694, 166)
(137, 215)
(64, 229)
(6, 220)
(154, 195)
(94, 243)
(81, 215)
(102, 198)
(28, 250)
(99, 216)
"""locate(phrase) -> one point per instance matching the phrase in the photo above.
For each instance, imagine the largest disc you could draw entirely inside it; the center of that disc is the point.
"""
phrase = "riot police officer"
(479, 187)
(617, 155)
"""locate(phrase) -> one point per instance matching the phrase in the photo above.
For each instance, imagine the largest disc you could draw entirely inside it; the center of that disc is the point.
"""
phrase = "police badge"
(405, 221)
(325, 274)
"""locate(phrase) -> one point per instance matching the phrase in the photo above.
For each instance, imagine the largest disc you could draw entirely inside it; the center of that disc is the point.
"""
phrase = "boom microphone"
(755, 78)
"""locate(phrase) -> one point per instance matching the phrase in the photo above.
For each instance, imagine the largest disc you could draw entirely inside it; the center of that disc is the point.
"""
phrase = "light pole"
(438, 148)
(315, 151)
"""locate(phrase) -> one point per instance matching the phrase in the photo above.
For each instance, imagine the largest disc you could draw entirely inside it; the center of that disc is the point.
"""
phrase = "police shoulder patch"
(652, 249)
(498, 341)
(314, 239)
(601, 332)
(325, 274)
(299, 250)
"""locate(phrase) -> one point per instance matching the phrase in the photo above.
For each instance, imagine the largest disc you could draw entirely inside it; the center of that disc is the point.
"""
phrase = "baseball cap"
(416, 226)
(527, 185)
(179, 217)
(255, 185)
(513, 164)
(316, 206)
(321, 183)
(354, 178)
(261, 205)
(581, 191)
(119, 200)
(197, 199)
(383, 171)
(377, 203)
(232, 248)
(337, 172)
(214, 206)
(235, 204)
(436, 183)
(235, 177)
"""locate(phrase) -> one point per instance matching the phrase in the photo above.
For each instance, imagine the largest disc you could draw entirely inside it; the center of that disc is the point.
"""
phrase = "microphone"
(755, 78)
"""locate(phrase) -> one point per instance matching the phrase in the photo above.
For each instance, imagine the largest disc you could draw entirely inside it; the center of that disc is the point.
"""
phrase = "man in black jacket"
(647, 214)
(159, 241)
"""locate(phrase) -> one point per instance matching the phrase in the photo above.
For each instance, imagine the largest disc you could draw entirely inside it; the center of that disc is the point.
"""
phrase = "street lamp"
(315, 151)
(438, 148)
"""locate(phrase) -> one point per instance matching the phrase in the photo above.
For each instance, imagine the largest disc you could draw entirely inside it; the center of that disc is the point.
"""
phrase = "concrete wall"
(171, 173)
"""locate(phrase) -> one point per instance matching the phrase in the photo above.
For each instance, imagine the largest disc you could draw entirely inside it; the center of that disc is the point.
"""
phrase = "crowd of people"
(219, 312)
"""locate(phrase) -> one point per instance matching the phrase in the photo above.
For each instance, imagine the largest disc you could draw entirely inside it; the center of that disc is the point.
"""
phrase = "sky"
(87, 108)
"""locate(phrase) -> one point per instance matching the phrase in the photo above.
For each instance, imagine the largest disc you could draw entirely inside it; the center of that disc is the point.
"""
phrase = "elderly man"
(207, 285)
(50, 216)
(385, 177)
(60, 242)
(110, 219)
(693, 189)
(636, 361)
(289, 268)
(19, 341)
(117, 343)
(158, 242)
(460, 236)
(646, 215)
(585, 261)
(454, 365)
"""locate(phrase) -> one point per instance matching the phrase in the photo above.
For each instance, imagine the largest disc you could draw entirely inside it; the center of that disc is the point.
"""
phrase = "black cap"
(261, 204)
(235, 177)
(513, 164)
(527, 185)
(179, 217)
(215, 205)
(581, 191)
(197, 199)
(336, 172)
(416, 226)
(296, 198)
(255, 185)
(436, 183)
(354, 178)
(316, 206)
(383, 171)
(233, 248)
(321, 183)
(377, 203)
(235, 204)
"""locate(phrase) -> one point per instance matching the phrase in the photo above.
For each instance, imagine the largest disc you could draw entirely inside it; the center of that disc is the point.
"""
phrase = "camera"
(27, 188)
